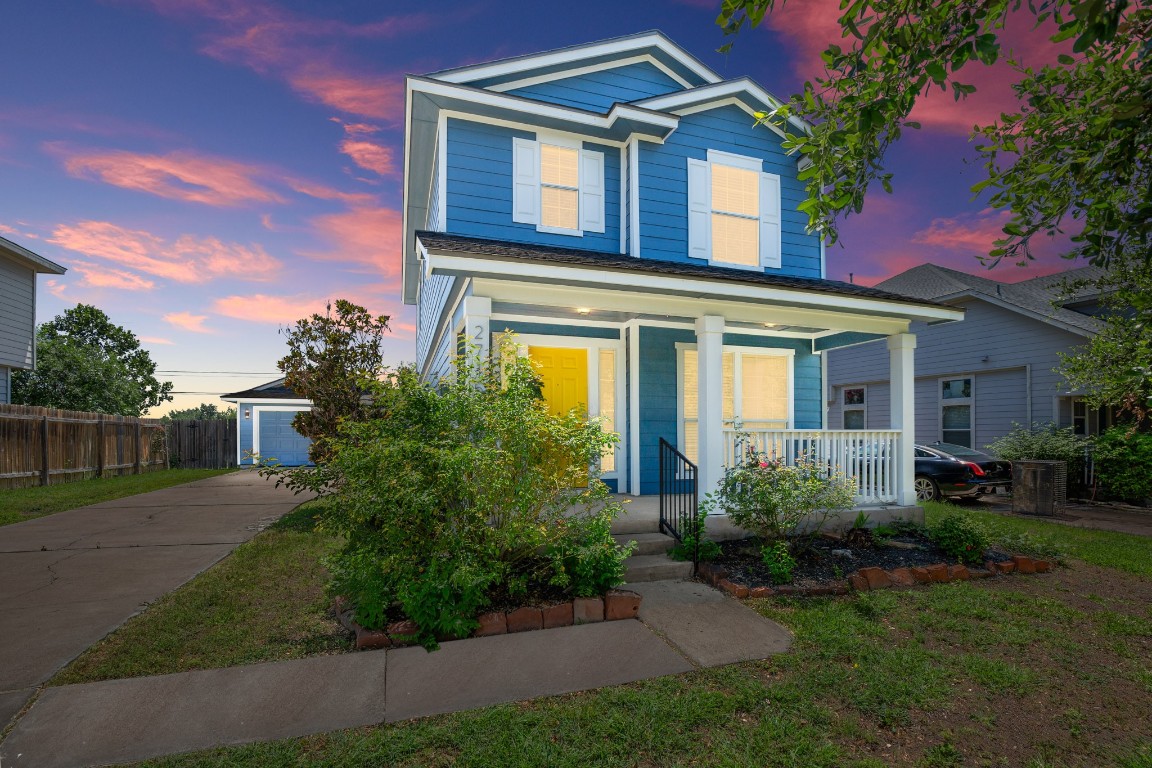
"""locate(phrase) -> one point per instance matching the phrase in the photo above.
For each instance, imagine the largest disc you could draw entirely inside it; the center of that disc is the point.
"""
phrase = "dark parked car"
(946, 469)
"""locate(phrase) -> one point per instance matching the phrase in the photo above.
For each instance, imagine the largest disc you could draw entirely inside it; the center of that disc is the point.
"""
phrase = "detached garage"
(264, 424)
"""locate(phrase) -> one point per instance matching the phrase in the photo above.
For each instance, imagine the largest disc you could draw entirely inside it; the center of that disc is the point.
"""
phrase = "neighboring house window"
(557, 185)
(855, 403)
(733, 211)
(755, 387)
(956, 403)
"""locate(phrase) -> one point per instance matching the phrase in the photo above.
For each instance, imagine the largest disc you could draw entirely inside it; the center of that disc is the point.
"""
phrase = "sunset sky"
(212, 170)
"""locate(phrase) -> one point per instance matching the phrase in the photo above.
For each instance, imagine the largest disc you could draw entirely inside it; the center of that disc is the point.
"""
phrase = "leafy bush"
(1024, 543)
(771, 498)
(451, 497)
(779, 560)
(1123, 459)
(961, 536)
(1040, 442)
(683, 550)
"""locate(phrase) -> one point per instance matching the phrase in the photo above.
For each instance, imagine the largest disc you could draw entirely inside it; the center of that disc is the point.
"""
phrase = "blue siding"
(664, 187)
(245, 429)
(434, 293)
(658, 385)
(598, 91)
(480, 189)
(548, 329)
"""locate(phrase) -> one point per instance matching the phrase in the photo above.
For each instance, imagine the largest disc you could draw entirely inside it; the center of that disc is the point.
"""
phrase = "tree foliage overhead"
(1073, 156)
(331, 359)
(84, 362)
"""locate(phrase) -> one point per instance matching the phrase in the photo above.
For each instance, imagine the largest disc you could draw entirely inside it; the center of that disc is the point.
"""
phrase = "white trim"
(625, 181)
(715, 92)
(269, 400)
(633, 368)
(442, 173)
(744, 162)
(573, 322)
(823, 388)
(591, 344)
(845, 407)
(823, 269)
(634, 191)
(257, 410)
(564, 74)
(530, 128)
(969, 401)
(668, 286)
(648, 323)
(570, 55)
(541, 109)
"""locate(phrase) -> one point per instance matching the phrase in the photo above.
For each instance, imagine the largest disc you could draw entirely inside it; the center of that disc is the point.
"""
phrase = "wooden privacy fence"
(202, 443)
(42, 446)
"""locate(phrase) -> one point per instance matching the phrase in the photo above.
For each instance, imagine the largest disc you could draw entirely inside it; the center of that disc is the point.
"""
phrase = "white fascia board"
(575, 54)
(554, 275)
(709, 94)
(603, 66)
(268, 401)
(577, 117)
(22, 255)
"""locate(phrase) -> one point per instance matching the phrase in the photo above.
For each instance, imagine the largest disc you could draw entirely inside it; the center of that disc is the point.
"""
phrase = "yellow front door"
(564, 375)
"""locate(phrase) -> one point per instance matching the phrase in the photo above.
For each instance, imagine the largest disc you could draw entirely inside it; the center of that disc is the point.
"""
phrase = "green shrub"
(452, 496)
(771, 498)
(685, 549)
(779, 560)
(1123, 460)
(1041, 442)
(961, 536)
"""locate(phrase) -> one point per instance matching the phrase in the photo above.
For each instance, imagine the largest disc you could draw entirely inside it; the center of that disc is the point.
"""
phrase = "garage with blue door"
(264, 424)
(279, 441)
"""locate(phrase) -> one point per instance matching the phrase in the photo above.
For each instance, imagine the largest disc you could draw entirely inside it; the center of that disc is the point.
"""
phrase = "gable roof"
(559, 62)
(273, 390)
(25, 256)
(1033, 298)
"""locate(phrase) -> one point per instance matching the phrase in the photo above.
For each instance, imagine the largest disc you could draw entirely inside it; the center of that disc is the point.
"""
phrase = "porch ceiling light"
(769, 325)
(582, 310)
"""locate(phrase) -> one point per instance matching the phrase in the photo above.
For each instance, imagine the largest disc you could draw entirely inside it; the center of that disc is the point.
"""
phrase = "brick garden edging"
(617, 604)
(867, 579)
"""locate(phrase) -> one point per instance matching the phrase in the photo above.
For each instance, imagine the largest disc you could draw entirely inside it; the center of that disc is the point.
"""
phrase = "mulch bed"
(832, 565)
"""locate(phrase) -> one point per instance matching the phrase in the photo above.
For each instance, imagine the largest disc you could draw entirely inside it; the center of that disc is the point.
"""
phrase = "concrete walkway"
(71, 578)
(683, 625)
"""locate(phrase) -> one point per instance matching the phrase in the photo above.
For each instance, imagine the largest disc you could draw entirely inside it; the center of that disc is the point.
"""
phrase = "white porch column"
(477, 323)
(902, 375)
(710, 404)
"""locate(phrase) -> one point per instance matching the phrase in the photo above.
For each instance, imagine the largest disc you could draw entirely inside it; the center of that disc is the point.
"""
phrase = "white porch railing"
(867, 456)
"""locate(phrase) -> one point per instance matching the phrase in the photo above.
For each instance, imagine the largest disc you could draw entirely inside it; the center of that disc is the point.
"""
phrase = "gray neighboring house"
(18, 270)
(975, 377)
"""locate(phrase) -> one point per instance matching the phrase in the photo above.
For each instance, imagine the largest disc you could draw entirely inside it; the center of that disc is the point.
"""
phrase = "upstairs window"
(733, 212)
(557, 185)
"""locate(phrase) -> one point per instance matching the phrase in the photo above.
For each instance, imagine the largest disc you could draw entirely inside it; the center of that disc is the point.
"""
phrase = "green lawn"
(1048, 671)
(264, 602)
(18, 504)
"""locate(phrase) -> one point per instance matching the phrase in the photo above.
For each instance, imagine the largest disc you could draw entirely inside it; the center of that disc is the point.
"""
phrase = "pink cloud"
(20, 233)
(188, 321)
(282, 310)
(188, 259)
(324, 192)
(177, 175)
(368, 155)
(99, 276)
(368, 236)
(55, 287)
(974, 233)
(155, 340)
(303, 50)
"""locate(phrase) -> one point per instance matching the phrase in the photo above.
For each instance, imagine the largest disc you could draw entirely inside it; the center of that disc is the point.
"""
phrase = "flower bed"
(615, 605)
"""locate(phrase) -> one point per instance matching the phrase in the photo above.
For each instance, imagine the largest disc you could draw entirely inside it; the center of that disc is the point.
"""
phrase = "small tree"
(85, 362)
(204, 411)
(331, 360)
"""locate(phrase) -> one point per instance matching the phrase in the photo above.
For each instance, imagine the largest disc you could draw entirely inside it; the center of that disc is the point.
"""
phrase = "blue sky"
(211, 170)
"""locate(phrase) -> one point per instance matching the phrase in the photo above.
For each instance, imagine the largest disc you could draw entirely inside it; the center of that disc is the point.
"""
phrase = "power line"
(224, 373)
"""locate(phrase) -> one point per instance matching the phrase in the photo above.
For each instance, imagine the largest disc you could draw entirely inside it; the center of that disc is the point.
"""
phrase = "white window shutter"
(591, 191)
(699, 209)
(525, 181)
(770, 220)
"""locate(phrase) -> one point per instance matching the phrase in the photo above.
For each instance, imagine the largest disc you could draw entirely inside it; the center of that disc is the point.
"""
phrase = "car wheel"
(926, 488)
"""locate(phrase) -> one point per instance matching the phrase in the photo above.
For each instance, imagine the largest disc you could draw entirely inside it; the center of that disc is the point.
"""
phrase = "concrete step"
(636, 523)
(646, 543)
(654, 568)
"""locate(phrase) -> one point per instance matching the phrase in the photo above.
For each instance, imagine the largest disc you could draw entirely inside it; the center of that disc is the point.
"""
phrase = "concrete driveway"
(69, 579)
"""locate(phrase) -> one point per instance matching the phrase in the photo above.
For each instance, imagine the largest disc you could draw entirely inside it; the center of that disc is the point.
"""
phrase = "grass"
(1107, 549)
(264, 602)
(19, 504)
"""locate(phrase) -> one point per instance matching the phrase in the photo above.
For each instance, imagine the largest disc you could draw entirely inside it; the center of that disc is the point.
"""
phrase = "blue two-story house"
(615, 205)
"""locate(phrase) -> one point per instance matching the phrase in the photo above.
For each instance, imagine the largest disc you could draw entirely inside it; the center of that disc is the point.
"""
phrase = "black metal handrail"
(678, 502)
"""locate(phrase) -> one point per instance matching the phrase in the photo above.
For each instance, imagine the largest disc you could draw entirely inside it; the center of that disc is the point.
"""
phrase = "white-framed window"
(557, 185)
(733, 211)
(957, 406)
(854, 409)
(756, 387)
